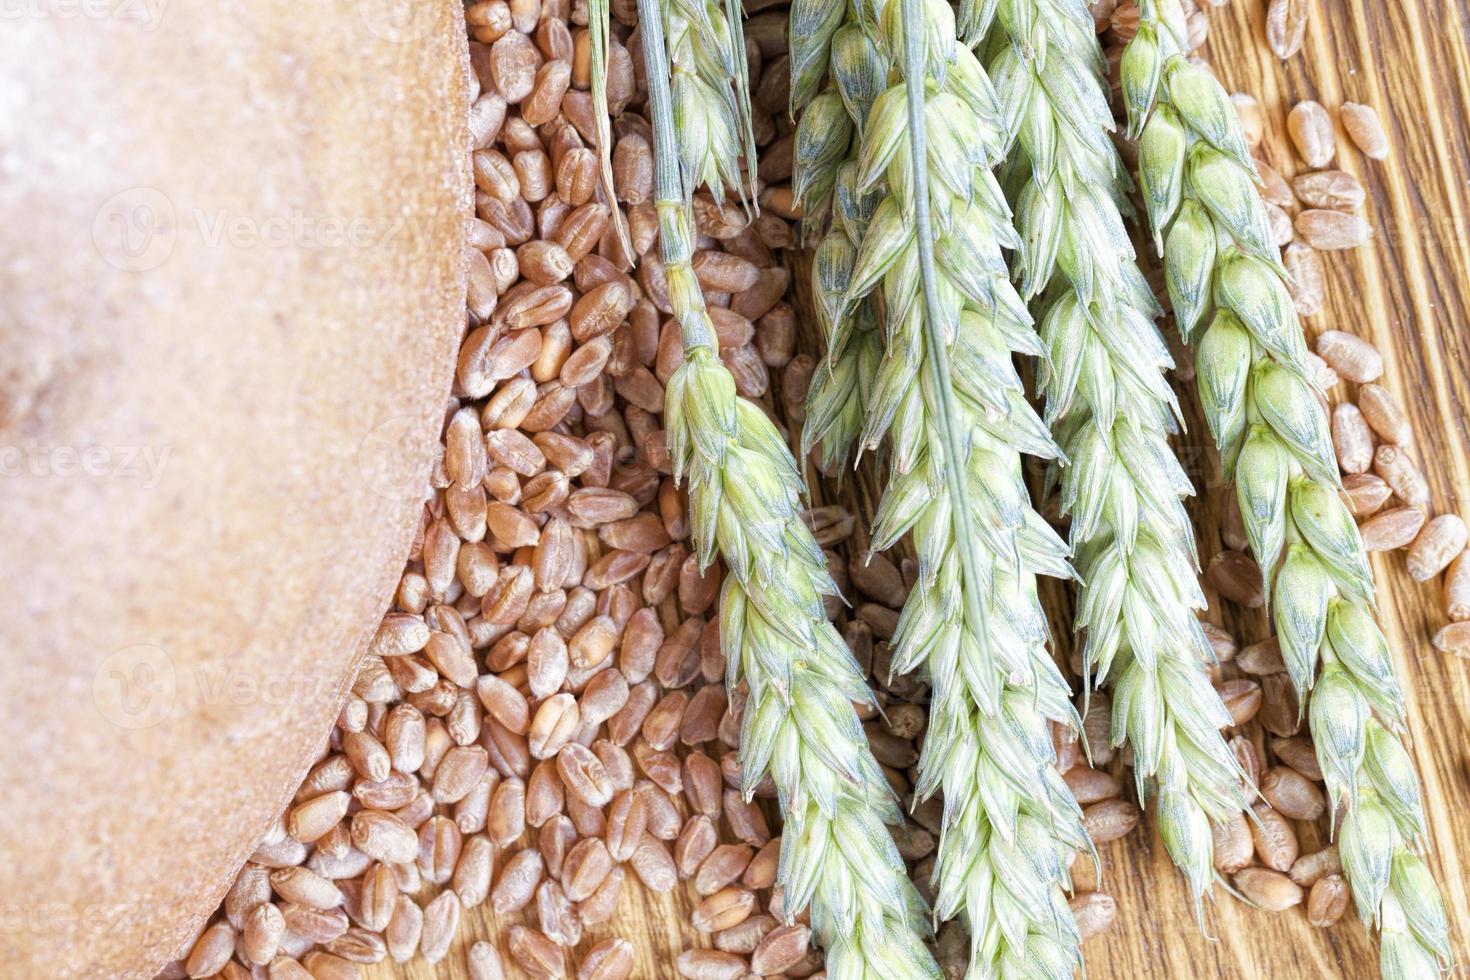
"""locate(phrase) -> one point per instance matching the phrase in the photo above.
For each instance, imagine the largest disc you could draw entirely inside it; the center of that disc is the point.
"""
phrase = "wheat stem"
(1112, 411)
(1221, 261)
(799, 725)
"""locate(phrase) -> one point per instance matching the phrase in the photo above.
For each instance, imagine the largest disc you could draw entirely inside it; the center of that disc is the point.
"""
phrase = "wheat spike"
(1230, 300)
(1112, 412)
(919, 223)
(744, 488)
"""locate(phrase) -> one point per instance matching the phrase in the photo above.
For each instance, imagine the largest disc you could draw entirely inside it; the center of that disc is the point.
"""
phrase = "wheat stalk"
(919, 223)
(744, 488)
(1112, 412)
(1220, 258)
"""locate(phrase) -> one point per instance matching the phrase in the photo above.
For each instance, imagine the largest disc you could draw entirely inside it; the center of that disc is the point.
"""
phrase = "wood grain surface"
(1408, 291)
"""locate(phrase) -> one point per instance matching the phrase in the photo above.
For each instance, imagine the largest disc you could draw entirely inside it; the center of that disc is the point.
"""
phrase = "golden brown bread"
(231, 291)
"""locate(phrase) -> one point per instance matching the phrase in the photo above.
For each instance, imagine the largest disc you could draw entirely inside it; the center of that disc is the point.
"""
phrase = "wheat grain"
(1264, 411)
(1112, 412)
(799, 725)
(953, 412)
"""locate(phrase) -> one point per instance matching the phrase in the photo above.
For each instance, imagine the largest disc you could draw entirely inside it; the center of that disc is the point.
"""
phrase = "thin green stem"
(936, 363)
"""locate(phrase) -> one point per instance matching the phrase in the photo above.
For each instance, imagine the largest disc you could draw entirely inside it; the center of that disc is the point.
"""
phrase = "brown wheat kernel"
(654, 865)
(1457, 589)
(600, 904)
(1233, 844)
(781, 949)
(366, 754)
(1311, 132)
(1391, 529)
(627, 821)
(1312, 868)
(211, 951)
(1292, 794)
(1384, 414)
(725, 908)
(441, 919)
(611, 959)
(1094, 912)
(384, 837)
(1276, 841)
(1366, 492)
(359, 946)
(557, 915)
(516, 884)
(1333, 189)
(1286, 27)
(1351, 438)
(1109, 820)
(473, 871)
(439, 846)
(1242, 698)
(1327, 901)
(1249, 758)
(1438, 543)
(1261, 658)
(1271, 890)
(1091, 785)
(1454, 639)
(377, 897)
(694, 843)
(1365, 129)
(586, 865)
(537, 954)
(309, 821)
(260, 938)
(1248, 111)
(506, 820)
(710, 964)
(545, 796)
(484, 963)
(1350, 356)
(306, 888)
(1328, 231)
(743, 939)
(404, 930)
(1237, 577)
(1279, 713)
(1281, 228)
(1307, 282)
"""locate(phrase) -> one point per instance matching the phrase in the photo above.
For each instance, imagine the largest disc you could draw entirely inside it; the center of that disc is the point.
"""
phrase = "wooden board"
(1410, 293)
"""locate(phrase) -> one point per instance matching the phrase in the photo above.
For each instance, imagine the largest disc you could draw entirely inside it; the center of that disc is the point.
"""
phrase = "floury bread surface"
(230, 299)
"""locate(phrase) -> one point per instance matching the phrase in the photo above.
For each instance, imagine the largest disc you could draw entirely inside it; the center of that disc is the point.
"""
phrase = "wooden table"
(1409, 291)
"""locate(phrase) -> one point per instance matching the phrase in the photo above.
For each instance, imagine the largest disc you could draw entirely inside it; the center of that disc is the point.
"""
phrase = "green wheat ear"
(1230, 298)
(1112, 411)
(893, 163)
(799, 726)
